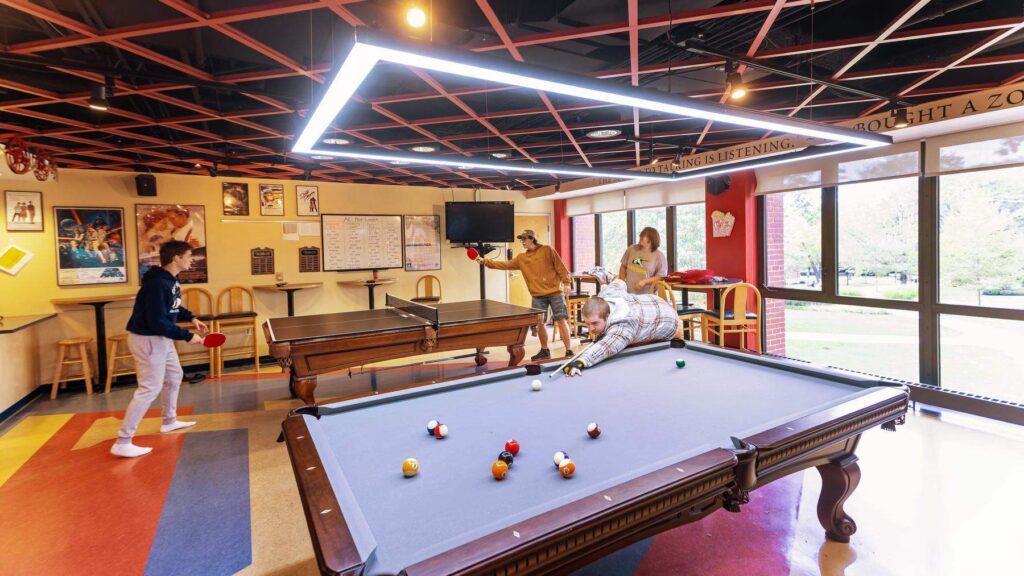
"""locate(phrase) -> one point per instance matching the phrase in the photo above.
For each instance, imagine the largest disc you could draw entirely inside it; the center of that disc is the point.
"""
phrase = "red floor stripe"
(84, 511)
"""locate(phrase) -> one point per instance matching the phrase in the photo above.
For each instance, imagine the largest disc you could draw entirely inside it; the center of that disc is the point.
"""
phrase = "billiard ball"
(536, 385)
(593, 430)
(506, 457)
(559, 456)
(440, 431)
(430, 427)
(410, 467)
(680, 362)
(512, 446)
(567, 468)
(499, 469)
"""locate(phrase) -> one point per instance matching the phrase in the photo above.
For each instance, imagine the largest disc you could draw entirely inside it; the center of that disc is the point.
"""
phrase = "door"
(517, 292)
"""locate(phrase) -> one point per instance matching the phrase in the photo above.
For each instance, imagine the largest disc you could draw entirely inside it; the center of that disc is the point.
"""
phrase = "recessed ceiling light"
(463, 167)
(399, 162)
(322, 157)
(499, 154)
(604, 133)
(336, 141)
(424, 148)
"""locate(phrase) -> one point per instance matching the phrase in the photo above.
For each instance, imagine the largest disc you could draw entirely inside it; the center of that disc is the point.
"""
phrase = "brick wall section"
(774, 309)
(583, 254)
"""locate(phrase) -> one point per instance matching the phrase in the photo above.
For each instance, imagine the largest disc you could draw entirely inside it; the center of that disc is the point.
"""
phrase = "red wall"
(562, 234)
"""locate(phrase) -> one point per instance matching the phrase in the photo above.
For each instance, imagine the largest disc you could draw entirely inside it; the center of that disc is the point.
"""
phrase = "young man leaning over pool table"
(619, 319)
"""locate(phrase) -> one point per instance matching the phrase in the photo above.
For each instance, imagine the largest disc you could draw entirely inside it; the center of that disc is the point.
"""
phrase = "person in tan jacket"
(547, 279)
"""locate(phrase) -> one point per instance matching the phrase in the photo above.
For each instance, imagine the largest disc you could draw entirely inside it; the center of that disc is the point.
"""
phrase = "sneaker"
(568, 353)
(544, 354)
(177, 425)
(129, 450)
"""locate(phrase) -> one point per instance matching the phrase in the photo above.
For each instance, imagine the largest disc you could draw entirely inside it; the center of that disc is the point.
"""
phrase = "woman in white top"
(643, 264)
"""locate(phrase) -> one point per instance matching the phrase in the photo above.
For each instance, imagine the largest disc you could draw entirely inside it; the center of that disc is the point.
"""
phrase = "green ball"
(680, 363)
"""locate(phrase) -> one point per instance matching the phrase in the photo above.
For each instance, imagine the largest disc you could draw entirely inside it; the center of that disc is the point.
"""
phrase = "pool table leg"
(839, 478)
(516, 352)
(480, 358)
(303, 387)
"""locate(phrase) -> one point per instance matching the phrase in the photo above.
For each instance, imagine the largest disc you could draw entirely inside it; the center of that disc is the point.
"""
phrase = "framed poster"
(23, 211)
(158, 223)
(12, 258)
(271, 200)
(361, 242)
(90, 246)
(307, 200)
(235, 198)
(422, 240)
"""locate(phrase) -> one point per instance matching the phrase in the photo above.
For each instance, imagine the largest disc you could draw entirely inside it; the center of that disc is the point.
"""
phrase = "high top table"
(290, 290)
(98, 303)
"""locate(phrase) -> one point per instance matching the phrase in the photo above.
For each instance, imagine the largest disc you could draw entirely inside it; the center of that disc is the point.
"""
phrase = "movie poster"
(90, 246)
(271, 200)
(235, 198)
(307, 200)
(158, 223)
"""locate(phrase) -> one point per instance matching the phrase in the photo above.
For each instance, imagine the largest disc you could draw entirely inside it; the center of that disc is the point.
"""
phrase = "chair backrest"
(198, 301)
(429, 282)
(743, 294)
(665, 293)
(235, 299)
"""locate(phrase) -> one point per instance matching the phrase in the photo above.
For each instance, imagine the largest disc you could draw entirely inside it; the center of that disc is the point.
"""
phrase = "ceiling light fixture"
(416, 17)
(397, 162)
(604, 133)
(337, 141)
(212, 170)
(902, 119)
(734, 83)
(98, 99)
(500, 155)
(424, 148)
(322, 157)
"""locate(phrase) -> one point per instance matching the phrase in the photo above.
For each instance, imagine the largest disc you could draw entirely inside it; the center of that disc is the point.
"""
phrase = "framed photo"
(235, 198)
(90, 246)
(271, 200)
(158, 223)
(422, 239)
(23, 211)
(307, 200)
(13, 257)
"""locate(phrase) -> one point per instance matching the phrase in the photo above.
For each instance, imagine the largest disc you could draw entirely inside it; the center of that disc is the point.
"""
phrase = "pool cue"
(558, 371)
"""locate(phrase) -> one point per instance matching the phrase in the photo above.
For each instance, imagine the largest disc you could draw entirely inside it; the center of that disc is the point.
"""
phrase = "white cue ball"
(536, 384)
(559, 456)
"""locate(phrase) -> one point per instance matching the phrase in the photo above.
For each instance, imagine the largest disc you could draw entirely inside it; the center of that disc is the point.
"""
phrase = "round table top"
(713, 285)
(288, 286)
(94, 299)
(374, 282)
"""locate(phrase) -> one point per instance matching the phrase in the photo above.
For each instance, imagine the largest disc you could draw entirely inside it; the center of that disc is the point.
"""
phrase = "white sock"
(176, 425)
(129, 450)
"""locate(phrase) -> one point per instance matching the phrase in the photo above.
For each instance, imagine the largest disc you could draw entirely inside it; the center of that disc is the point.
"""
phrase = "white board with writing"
(361, 242)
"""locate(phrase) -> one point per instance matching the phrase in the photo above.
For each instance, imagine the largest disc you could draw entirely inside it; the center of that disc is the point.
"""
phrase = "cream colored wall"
(228, 247)
(19, 359)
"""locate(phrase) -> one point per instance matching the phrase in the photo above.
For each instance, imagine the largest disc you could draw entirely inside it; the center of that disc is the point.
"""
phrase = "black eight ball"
(506, 457)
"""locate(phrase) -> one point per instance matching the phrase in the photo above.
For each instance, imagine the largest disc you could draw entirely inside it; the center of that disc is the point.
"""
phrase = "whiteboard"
(361, 242)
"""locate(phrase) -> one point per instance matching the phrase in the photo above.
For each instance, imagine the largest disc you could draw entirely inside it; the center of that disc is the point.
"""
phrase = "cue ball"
(593, 430)
(680, 362)
(567, 468)
(410, 467)
(506, 457)
(559, 456)
(440, 431)
(536, 384)
(499, 469)
(512, 446)
(431, 425)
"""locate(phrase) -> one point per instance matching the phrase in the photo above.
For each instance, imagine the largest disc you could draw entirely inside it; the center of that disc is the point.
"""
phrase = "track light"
(734, 82)
(100, 93)
(902, 118)
(308, 174)
(212, 170)
(416, 17)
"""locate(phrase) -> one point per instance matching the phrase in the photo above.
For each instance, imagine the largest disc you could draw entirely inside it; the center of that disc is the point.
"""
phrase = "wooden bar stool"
(117, 349)
(575, 310)
(71, 344)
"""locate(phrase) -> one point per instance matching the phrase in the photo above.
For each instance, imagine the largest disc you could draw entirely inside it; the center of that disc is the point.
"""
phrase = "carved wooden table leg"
(480, 358)
(515, 354)
(304, 388)
(838, 480)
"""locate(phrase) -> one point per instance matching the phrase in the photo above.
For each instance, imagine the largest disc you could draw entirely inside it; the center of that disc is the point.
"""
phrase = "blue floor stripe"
(205, 526)
(621, 563)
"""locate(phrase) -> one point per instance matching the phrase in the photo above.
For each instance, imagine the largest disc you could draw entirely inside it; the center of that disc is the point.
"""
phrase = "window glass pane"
(982, 356)
(872, 340)
(878, 239)
(613, 240)
(981, 238)
(583, 257)
(655, 218)
(880, 167)
(794, 239)
(691, 244)
(977, 154)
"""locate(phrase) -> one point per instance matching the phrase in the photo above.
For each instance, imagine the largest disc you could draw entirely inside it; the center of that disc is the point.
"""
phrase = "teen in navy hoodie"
(152, 330)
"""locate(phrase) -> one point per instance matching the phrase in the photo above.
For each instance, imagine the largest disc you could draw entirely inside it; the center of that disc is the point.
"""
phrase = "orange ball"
(499, 469)
(567, 468)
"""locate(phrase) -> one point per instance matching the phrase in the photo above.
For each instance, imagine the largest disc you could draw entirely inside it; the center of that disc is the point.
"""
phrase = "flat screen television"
(467, 222)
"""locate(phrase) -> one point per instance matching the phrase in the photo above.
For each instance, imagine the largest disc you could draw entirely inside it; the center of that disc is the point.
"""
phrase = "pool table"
(676, 444)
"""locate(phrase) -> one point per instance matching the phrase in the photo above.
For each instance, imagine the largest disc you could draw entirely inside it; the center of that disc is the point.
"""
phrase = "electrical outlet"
(248, 331)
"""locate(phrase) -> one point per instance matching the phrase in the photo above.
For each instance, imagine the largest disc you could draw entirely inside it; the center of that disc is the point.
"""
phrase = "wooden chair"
(117, 349)
(725, 321)
(575, 309)
(236, 309)
(691, 318)
(198, 301)
(428, 282)
(63, 347)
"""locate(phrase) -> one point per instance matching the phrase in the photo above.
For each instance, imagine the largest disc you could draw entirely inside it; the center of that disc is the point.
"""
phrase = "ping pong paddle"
(472, 254)
(214, 339)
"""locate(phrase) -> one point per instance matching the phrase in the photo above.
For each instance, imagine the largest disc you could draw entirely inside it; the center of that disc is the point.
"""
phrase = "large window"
(981, 238)
(655, 218)
(583, 253)
(794, 239)
(613, 239)
(877, 239)
(982, 356)
(691, 245)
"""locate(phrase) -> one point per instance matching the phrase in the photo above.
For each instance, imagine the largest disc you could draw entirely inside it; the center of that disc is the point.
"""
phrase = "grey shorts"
(557, 304)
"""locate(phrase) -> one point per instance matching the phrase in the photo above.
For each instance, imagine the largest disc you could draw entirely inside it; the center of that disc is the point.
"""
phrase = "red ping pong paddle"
(472, 254)
(214, 339)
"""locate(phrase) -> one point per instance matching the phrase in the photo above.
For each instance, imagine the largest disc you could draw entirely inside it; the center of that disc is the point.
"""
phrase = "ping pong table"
(308, 346)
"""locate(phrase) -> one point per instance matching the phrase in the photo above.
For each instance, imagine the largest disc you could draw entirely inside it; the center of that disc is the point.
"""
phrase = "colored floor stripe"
(205, 525)
(24, 439)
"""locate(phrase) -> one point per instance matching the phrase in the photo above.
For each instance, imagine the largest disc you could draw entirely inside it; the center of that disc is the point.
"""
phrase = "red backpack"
(692, 276)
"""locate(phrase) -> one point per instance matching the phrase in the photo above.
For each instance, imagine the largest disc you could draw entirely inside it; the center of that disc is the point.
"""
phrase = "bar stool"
(575, 308)
(117, 349)
(70, 344)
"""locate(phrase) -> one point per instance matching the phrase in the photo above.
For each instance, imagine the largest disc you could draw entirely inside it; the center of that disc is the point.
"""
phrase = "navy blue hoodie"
(158, 307)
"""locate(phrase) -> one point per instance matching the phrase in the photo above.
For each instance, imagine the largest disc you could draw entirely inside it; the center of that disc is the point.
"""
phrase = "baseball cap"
(527, 233)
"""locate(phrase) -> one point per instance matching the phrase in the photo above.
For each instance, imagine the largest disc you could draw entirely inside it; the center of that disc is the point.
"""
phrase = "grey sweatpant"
(159, 374)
